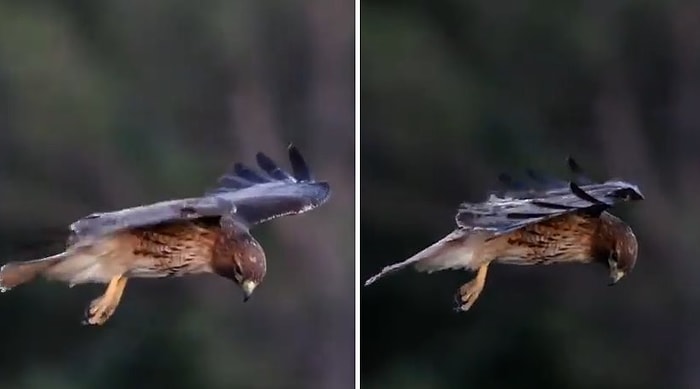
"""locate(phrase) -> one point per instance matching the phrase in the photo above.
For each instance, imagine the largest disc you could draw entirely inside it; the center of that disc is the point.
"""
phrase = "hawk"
(206, 234)
(549, 221)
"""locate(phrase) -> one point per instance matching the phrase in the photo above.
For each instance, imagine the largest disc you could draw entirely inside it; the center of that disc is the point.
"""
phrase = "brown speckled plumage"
(172, 249)
(199, 235)
(557, 222)
(567, 238)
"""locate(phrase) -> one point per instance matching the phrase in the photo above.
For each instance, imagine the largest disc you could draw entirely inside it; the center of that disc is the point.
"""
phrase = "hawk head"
(249, 265)
(240, 258)
(617, 247)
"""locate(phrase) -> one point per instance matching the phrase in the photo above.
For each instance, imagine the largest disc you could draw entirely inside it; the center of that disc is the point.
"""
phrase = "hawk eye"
(237, 269)
(613, 256)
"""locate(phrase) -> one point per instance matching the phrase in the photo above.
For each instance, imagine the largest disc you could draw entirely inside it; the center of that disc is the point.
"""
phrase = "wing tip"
(572, 163)
(240, 176)
(260, 155)
(294, 152)
(300, 168)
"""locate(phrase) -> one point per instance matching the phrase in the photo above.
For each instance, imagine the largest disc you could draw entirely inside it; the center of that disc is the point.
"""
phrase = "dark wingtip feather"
(578, 173)
(270, 167)
(580, 193)
(247, 173)
(299, 168)
(573, 165)
(241, 176)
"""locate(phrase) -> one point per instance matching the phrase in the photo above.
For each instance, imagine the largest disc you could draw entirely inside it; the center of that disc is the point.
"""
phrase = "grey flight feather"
(511, 210)
(251, 197)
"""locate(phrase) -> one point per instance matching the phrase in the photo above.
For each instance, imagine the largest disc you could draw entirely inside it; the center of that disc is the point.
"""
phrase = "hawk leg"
(103, 307)
(469, 292)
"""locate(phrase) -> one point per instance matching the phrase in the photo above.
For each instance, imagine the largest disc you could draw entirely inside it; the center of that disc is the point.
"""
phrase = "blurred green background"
(108, 104)
(455, 92)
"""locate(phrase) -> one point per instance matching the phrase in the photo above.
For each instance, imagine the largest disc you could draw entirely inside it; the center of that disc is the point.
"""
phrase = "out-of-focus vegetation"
(109, 104)
(455, 92)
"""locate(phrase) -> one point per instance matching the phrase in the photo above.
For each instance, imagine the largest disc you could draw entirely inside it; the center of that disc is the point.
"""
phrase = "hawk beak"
(248, 287)
(615, 275)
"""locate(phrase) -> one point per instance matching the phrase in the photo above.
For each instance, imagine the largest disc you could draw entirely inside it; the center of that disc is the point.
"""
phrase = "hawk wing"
(258, 198)
(521, 205)
(249, 196)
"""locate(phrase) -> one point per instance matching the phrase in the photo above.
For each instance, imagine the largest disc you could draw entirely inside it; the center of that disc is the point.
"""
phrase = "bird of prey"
(206, 234)
(548, 221)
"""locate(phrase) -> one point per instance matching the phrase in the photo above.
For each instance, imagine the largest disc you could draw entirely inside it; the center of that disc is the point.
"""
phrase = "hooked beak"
(248, 287)
(615, 273)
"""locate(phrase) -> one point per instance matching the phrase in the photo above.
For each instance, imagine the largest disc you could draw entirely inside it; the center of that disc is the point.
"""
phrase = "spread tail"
(17, 273)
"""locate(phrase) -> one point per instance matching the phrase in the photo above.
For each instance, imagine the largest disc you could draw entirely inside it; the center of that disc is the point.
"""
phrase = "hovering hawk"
(549, 221)
(207, 234)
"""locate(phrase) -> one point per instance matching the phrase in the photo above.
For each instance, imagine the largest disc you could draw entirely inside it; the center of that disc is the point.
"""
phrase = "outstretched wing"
(521, 205)
(253, 197)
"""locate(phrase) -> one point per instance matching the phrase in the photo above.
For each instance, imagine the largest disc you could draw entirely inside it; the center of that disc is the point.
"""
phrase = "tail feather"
(438, 256)
(13, 274)
(390, 269)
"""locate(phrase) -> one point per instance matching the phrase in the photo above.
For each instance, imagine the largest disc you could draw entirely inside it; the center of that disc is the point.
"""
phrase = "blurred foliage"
(455, 92)
(109, 104)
